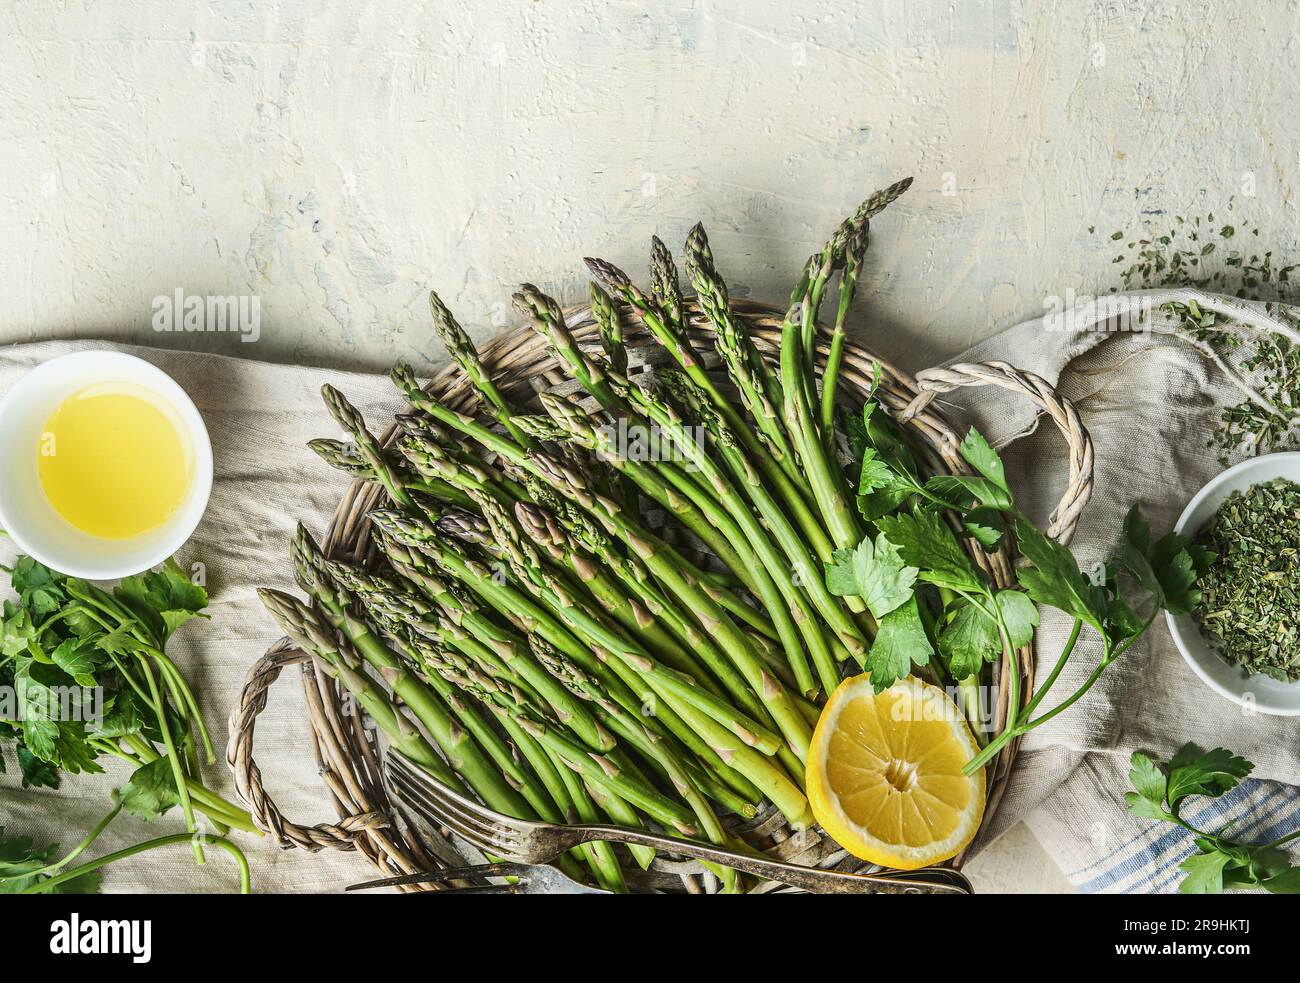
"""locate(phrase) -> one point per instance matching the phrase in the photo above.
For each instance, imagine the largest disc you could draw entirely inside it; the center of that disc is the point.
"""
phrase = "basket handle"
(248, 776)
(933, 382)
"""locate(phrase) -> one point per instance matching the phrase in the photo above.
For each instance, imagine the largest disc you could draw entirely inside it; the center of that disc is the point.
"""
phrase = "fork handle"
(931, 880)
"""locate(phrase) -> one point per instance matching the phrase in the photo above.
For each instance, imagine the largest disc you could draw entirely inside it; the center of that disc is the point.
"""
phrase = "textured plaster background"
(336, 159)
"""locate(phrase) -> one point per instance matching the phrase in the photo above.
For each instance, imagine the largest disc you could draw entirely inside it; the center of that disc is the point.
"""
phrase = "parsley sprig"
(89, 678)
(942, 615)
(28, 869)
(1220, 863)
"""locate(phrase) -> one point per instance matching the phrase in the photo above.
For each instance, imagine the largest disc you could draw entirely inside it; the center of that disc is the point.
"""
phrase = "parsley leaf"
(900, 644)
(972, 637)
(926, 542)
(1167, 569)
(1019, 615)
(164, 599)
(981, 456)
(1053, 578)
(969, 640)
(986, 526)
(874, 572)
(1193, 771)
(1204, 873)
(151, 790)
(23, 866)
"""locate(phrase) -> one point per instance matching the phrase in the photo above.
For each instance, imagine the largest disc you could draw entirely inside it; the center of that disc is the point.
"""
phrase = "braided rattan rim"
(521, 366)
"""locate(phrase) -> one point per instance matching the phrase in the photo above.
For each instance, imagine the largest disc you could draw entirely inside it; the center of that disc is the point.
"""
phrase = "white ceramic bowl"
(1255, 692)
(25, 511)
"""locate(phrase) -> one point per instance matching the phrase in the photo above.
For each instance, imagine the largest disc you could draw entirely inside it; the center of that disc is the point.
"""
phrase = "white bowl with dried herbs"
(1243, 638)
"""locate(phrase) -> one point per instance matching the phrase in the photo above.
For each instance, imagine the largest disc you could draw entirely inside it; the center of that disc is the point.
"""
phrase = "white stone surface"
(337, 158)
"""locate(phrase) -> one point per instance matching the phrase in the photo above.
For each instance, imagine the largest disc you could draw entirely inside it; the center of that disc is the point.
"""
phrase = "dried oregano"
(1250, 594)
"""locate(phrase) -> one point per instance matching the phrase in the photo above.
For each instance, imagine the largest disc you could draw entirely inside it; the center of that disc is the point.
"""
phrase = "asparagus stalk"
(549, 321)
(610, 324)
(770, 576)
(782, 569)
(592, 766)
(569, 623)
(667, 683)
(765, 775)
(582, 685)
(783, 532)
(854, 251)
(488, 640)
(665, 287)
(346, 458)
(758, 390)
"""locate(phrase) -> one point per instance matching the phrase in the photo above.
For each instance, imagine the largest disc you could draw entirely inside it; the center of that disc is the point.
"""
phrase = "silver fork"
(539, 843)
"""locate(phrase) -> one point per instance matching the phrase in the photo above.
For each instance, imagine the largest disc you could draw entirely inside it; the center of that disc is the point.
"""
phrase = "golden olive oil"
(115, 460)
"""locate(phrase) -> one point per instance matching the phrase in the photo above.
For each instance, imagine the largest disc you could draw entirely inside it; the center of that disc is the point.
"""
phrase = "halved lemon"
(884, 774)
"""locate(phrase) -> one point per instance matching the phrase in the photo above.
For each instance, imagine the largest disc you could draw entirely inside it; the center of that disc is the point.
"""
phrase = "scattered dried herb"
(1250, 592)
(1180, 257)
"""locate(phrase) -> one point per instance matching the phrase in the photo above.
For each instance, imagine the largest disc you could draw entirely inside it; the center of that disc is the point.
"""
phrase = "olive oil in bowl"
(115, 460)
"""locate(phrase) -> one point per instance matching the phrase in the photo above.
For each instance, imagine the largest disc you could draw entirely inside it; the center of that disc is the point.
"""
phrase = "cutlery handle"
(931, 880)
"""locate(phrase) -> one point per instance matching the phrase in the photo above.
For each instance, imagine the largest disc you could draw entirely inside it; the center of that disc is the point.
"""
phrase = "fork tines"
(463, 817)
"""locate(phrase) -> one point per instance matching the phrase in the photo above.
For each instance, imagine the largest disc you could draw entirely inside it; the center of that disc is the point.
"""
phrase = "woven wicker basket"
(346, 750)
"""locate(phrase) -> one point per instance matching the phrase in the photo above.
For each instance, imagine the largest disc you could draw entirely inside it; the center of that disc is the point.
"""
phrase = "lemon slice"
(884, 774)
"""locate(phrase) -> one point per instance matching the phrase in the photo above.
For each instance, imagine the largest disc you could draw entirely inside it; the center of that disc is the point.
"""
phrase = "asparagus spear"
(346, 458)
(488, 639)
(350, 419)
(667, 683)
(582, 685)
(665, 287)
(460, 348)
(610, 324)
(592, 766)
(854, 251)
(753, 765)
(759, 391)
(770, 578)
(783, 532)
(457, 744)
(731, 517)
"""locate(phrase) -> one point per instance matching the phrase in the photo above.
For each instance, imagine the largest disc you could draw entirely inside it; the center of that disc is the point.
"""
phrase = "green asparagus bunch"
(617, 609)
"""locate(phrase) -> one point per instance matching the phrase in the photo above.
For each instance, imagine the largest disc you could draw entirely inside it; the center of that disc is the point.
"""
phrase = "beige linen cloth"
(1149, 399)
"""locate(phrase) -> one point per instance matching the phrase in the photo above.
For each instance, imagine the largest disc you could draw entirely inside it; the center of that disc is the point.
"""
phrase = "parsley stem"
(245, 879)
(1074, 697)
(182, 788)
(168, 668)
(1286, 839)
(80, 848)
(1056, 670)
(1013, 662)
